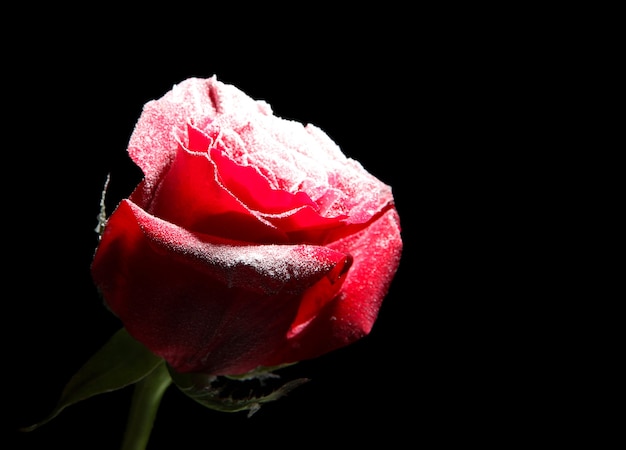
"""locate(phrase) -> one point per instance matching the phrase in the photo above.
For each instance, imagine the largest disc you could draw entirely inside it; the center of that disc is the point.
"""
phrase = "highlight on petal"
(292, 157)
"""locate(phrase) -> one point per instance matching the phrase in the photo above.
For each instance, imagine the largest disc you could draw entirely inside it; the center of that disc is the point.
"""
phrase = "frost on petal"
(269, 268)
(153, 142)
(292, 157)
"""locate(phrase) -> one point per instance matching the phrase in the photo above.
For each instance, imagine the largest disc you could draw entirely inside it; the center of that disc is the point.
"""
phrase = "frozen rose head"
(251, 241)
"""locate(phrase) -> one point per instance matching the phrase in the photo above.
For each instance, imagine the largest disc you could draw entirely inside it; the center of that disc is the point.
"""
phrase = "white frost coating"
(296, 157)
(293, 157)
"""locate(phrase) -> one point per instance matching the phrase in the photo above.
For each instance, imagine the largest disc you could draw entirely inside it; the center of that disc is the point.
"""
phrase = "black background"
(382, 87)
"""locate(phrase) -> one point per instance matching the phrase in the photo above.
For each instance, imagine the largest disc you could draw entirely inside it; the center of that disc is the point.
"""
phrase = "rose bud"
(250, 241)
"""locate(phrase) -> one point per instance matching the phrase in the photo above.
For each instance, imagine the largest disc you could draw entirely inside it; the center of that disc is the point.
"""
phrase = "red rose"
(251, 241)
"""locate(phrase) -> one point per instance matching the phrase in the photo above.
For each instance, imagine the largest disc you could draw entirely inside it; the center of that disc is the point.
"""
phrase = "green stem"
(144, 405)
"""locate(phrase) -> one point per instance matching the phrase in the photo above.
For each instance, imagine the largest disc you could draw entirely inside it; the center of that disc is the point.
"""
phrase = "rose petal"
(207, 291)
(294, 214)
(191, 196)
(376, 252)
(291, 156)
(248, 185)
(154, 141)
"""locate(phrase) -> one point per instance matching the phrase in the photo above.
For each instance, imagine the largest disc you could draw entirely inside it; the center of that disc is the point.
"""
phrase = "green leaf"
(122, 361)
(225, 393)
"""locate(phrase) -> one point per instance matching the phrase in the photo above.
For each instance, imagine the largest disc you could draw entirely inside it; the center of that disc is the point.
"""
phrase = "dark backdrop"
(77, 94)
(451, 107)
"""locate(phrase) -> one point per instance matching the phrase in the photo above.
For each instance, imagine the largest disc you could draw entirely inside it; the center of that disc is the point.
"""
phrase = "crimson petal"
(190, 196)
(290, 212)
(207, 290)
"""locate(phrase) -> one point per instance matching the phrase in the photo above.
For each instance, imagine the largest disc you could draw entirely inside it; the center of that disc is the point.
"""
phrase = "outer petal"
(212, 306)
(376, 252)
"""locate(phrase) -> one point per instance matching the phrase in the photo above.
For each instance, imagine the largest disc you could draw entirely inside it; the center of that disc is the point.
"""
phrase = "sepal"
(102, 215)
(234, 393)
